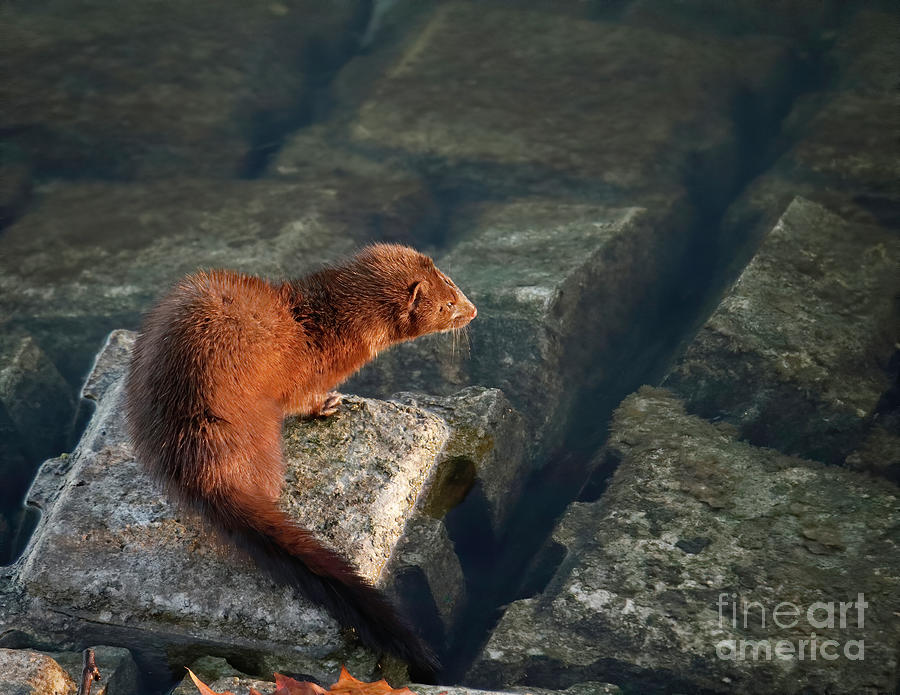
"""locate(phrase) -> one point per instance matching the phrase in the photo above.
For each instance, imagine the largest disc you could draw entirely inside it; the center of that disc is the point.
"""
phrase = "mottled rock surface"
(36, 398)
(24, 672)
(503, 112)
(149, 90)
(797, 353)
(843, 155)
(479, 475)
(36, 421)
(839, 145)
(486, 446)
(113, 558)
(694, 523)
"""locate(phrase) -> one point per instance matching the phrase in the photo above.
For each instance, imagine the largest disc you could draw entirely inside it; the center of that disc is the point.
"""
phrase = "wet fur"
(224, 357)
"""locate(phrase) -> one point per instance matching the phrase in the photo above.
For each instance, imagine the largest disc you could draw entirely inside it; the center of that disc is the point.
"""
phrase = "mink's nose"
(474, 311)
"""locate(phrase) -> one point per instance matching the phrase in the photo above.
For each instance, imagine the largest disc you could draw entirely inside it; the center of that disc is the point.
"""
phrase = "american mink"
(224, 357)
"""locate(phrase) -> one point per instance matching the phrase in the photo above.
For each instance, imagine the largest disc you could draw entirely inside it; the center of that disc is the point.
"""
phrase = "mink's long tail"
(294, 557)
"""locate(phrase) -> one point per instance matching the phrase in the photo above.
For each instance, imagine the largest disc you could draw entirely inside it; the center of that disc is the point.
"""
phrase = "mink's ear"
(416, 292)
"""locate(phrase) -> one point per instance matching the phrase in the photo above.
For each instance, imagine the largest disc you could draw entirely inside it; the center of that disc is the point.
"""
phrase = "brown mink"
(224, 357)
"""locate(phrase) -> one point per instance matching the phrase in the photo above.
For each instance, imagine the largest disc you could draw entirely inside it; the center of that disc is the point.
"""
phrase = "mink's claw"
(330, 404)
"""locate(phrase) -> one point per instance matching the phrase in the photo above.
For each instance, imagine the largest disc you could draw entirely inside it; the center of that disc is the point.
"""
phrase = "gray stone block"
(163, 89)
(502, 113)
(24, 672)
(114, 561)
(797, 353)
(694, 529)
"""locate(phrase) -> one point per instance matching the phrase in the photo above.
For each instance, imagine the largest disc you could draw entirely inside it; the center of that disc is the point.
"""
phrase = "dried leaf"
(285, 685)
(348, 685)
(203, 688)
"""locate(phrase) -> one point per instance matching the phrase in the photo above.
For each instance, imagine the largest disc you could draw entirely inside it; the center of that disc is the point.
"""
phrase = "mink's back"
(200, 389)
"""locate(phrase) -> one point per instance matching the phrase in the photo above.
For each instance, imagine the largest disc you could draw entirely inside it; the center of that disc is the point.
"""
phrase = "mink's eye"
(449, 305)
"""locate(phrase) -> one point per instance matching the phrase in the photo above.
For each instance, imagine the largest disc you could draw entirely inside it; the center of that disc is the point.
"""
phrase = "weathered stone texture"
(867, 51)
(486, 445)
(113, 559)
(649, 108)
(797, 353)
(25, 672)
(692, 516)
(36, 398)
(155, 89)
(36, 421)
(841, 143)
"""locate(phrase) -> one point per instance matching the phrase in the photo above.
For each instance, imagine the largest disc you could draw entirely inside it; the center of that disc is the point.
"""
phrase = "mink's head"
(417, 297)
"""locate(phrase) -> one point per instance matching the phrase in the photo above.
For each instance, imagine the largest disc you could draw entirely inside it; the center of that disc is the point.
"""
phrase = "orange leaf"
(285, 685)
(202, 687)
(348, 685)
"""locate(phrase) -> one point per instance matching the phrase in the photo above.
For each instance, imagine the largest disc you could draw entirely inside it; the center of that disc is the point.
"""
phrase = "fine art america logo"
(828, 616)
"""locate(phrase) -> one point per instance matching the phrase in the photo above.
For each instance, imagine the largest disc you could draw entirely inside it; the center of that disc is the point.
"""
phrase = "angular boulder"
(151, 90)
(502, 114)
(711, 565)
(113, 561)
(798, 353)
(24, 672)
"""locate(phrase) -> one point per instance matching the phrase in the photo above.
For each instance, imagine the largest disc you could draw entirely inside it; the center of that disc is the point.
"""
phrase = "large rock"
(839, 146)
(486, 445)
(842, 154)
(552, 102)
(113, 561)
(694, 525)
(152, 89)
(408, 212)
(36, 420)
(24, 672)
(867, 52)
(36, 398)
(559, 287)
(797, 354)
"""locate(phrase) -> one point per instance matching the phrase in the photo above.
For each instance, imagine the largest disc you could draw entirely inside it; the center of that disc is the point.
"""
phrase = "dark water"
(141, 141)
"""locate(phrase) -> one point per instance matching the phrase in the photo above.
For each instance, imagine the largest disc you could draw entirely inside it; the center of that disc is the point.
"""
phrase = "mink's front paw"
(330, 404)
